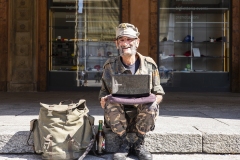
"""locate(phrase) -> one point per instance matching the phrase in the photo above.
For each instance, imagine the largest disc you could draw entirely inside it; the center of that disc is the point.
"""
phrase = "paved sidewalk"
(155, 157)
(188, 122)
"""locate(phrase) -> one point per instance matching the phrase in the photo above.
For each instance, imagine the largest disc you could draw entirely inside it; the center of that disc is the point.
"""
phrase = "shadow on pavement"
(185, 104)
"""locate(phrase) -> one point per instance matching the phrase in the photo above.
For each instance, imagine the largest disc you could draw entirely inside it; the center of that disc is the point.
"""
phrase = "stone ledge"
(13, 139)
(221, 143)
(161, 143)
(174, 143)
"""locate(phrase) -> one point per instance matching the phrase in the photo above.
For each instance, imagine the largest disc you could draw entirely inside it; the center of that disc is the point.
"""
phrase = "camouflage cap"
(127, 29)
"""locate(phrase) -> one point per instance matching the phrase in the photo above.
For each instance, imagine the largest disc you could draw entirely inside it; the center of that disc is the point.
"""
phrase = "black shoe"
(140, 150)
(123, 150)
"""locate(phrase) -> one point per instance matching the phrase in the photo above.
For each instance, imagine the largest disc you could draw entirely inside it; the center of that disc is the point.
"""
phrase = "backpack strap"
(90, 145)
(32, 126)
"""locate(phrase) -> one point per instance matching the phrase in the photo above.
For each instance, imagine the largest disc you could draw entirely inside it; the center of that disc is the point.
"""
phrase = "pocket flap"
(62, 107)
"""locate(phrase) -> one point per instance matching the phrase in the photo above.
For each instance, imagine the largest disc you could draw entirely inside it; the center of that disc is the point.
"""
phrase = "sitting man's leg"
(145, 122)
(115, 118)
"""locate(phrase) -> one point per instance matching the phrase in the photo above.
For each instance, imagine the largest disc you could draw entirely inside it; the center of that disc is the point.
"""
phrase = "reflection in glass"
(82, 36)
(193, 33)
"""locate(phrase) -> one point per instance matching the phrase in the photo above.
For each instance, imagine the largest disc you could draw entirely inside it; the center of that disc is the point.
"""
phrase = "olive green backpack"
(63, 131)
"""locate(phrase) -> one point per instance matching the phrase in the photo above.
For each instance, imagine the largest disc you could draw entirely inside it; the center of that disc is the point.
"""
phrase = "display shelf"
(193, 42)
(201, 34)
(89, 55)
(180, 56)
(219, 42)
(199, 27)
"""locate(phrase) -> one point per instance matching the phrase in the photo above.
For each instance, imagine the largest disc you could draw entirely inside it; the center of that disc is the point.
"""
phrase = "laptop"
(127, 85)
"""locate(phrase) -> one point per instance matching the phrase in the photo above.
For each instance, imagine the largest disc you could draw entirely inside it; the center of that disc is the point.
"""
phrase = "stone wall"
(144, 16)
(125, 11)
(3, 44)
(22, 52)
(235, 49)
(24, 41)
(42, 45)
(153, 29)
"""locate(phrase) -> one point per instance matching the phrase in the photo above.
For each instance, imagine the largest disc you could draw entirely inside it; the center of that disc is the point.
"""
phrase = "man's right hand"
(103, 101)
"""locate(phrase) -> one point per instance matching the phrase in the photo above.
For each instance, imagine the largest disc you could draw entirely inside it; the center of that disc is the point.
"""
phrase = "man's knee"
(147, 117)
(115, 118)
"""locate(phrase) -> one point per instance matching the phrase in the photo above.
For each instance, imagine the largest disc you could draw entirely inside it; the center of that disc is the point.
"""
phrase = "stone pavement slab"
(187, 122)
(155, 157)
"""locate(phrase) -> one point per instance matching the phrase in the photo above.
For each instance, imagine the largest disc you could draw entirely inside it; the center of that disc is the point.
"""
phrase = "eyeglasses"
(127, 25)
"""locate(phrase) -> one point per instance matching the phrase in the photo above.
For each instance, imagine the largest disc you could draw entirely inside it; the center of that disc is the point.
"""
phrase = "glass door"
(194, 43)
(81, 39)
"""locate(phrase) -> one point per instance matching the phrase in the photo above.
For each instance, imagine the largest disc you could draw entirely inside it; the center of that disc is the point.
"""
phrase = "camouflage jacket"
(114, 66)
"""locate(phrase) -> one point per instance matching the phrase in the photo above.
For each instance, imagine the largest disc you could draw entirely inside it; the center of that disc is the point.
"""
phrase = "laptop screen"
(127, 85)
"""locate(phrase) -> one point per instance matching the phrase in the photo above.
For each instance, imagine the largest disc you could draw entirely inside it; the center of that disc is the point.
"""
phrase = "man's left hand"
(159, 98)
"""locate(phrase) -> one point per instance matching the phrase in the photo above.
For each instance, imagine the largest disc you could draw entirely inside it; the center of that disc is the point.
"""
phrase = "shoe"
(123, 150)
(140, 150)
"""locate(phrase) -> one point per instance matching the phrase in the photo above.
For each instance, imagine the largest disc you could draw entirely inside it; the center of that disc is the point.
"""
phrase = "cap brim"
(127, 35)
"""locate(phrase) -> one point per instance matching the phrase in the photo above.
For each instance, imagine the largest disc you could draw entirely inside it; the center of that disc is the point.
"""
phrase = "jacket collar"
(121, 68)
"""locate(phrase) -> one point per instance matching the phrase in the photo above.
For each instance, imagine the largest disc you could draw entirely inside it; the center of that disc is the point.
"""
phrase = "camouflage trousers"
(143, 122)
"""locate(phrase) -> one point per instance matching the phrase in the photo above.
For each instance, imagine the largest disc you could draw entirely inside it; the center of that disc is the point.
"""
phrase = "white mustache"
(125, 47)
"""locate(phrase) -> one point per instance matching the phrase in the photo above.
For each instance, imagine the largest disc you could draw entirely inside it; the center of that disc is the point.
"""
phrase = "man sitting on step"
(130, 62)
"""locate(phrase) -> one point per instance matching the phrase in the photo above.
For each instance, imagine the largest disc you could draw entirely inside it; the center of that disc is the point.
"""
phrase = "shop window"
(81, 39)
(194, 43)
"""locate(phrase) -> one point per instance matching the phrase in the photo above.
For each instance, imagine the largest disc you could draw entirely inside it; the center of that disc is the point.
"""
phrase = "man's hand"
(159, 98)
(103, 101)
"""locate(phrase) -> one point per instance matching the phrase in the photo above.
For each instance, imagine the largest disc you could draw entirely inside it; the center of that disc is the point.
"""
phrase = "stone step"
(157, 142)
(132, 157)
(13, 139)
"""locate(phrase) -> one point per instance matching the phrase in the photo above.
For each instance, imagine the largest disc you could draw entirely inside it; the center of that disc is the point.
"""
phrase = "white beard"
(133, 50)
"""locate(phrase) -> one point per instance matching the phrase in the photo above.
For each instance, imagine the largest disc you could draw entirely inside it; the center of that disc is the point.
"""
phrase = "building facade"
(62, 45)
